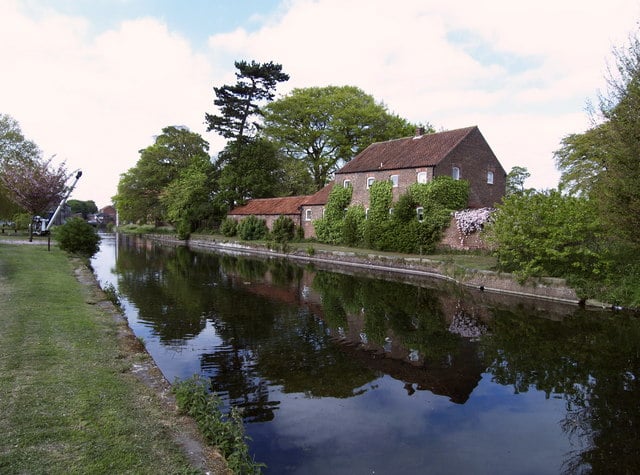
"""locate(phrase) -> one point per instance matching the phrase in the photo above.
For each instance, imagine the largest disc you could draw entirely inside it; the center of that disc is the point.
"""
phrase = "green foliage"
(515, 180)
(442, 191)
(225, 431)
(251, 228)
(229, 227)
(353, 226)
(324, 126)
(546, 233)
(77, 236)
(82, 207)
(329, 228)
(283, 229)
(256, 82)
(142, 189)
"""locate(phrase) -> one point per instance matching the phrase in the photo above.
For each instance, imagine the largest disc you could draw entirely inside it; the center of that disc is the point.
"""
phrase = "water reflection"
(415, 378)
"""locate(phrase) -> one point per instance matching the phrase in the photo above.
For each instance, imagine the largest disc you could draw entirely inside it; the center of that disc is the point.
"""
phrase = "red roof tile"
(321, 197)
(411, 152)
(271, 206)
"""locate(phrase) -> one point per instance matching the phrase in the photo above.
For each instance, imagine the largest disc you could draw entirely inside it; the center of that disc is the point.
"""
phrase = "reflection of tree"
(593, 361)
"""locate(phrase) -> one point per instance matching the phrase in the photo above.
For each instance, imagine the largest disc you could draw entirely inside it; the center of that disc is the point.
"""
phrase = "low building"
(462, 154)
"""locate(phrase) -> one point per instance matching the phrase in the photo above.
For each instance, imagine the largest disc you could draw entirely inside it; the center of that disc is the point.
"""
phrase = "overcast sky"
(93, 81)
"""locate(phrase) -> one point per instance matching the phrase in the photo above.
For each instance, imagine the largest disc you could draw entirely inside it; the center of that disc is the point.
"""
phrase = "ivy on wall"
(389, 226)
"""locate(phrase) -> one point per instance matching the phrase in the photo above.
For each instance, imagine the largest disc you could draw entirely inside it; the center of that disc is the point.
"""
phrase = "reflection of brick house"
(461, 154)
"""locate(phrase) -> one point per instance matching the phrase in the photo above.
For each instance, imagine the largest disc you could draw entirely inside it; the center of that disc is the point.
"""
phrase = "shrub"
(283, 229)
(229, 227)
(251, 228)
(77, 236)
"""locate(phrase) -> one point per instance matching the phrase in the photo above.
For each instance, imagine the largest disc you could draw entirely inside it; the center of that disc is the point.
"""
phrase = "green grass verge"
(69, 403)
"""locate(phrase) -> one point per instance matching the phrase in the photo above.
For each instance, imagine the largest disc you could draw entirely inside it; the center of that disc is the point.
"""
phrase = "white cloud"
(96, 101)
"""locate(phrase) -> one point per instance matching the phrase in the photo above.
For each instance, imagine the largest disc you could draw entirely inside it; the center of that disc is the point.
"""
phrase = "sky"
(92, 82)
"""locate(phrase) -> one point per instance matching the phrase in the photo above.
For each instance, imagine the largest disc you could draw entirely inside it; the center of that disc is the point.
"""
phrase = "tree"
(547, 234)
(189, 198)
(83, 207)
(140, 189)
(14, 149)
(326, 126)
(238, 103)
(618, 193)
(36, 186)
(515, 180)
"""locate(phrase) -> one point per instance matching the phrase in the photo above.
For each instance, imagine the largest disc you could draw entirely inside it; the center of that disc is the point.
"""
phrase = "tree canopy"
(141, 188)
(256, 83)
(326, 126)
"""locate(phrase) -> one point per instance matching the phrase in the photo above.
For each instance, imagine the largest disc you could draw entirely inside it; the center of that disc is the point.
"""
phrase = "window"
(307, 215)
(391, 211)
(422, 177)
(366, 213)
(420, 213)
(346, 183)
(394, 180)
(490, 178)
(370, 181)
(455, 173)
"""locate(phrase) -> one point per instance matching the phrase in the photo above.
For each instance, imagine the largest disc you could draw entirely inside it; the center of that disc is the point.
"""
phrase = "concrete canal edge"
(545, 288)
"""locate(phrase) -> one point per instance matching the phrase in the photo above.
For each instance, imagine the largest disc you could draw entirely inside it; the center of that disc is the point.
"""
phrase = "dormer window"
(455, 173)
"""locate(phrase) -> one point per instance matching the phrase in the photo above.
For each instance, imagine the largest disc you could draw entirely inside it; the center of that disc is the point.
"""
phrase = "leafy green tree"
(189, 198)
(618, 192)
(249, 170)
(326, 126)
(83, 207)
(238, 103)
(283, 229)
(515, 180)
(547, 234)
(141, 188)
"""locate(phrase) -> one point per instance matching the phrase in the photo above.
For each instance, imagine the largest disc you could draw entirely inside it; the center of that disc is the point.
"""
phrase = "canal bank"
(413, 268)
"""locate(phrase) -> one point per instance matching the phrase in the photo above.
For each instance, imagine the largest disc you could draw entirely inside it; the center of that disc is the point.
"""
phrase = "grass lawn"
(69, 403)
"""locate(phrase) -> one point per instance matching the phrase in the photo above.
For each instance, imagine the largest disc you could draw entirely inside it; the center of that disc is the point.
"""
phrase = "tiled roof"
(321, 197)
(421, 151)
(271, 206)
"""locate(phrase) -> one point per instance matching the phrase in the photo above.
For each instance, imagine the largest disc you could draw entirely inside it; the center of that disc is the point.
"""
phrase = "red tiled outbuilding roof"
(420, 151)
(271, 206)
(321, 197)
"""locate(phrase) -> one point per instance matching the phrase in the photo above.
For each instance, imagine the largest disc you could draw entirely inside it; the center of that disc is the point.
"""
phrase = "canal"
(342, 373)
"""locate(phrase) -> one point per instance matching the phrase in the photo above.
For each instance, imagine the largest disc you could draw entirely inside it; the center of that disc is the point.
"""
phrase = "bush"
(252, 228)
(442, 191)
(229, 227)
(283, 229)
(77, 236)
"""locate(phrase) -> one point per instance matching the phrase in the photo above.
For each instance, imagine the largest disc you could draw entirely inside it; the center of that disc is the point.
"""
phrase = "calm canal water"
(349, 374)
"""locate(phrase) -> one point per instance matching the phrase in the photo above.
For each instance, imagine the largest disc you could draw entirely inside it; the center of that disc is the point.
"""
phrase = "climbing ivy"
(329, 228)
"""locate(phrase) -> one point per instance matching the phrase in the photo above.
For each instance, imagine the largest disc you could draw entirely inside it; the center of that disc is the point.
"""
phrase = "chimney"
(419, 131)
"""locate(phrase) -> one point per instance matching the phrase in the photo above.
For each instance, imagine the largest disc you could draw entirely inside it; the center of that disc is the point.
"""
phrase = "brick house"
(463, 154)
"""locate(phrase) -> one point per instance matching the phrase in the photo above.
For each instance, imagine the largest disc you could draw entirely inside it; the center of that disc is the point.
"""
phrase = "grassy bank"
(70, 403)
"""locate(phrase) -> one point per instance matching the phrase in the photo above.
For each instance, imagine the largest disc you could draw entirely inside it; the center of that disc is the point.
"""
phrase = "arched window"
(346, 183)
(307, 215)
(422, 177)
(420, 213)
(370, 181)
(394, 181)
